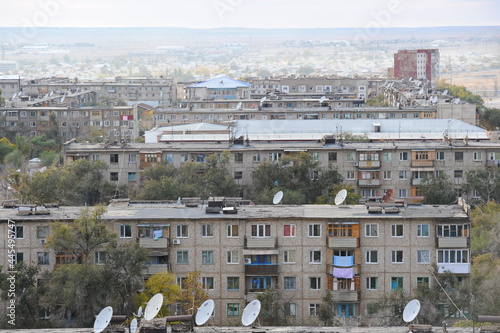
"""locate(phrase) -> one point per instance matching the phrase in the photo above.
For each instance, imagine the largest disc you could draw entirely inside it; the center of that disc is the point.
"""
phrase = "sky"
(368, 14)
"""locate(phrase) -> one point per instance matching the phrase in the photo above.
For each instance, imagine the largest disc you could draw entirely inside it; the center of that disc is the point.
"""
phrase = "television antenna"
(103, 318)
(340, 197)
(411, 310)
(153, 306)
(277, 197)
(250, 313)
(133, 325)
(204, 312)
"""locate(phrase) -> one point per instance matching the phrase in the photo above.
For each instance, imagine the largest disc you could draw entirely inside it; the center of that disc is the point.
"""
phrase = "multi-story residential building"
(392, 156)
(355, 253)
(417, 64)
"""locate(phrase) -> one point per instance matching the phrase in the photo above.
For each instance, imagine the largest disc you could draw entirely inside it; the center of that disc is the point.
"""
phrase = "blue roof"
(221, 82)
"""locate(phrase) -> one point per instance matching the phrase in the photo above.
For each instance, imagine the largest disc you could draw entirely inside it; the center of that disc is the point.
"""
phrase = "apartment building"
(417, 64)
(355, 253)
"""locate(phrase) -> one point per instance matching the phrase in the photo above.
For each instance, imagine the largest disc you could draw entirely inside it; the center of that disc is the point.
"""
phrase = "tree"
(352, 197)
(460, 92)
(271, 307)
(485, 182)
(438, 190)
(5, 148)
(325, 311)
(192, 293)
(163, 283)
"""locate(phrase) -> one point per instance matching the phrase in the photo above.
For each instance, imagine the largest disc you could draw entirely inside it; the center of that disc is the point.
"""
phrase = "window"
(371, 257)
(169, 158)
(289, 230)
(233, 257)
(440, 155)
(402, 193)
(314, 230)
(423, 230)
(207, 230)
(261, 230)
(99, 257)
(396, 283)
(289, 283)
(182, 257)
(315, 257)
(132, 177)
(452, 256)
(238, 174)
(182, 230)
(19, 258)
(113, 158)
(387, 175)
(387, 157)
(96, 157)
(350, 175)
(478, 156)
(423, 256)
(238, 157)
(181, 282)
(397, 230)
(402, 174)
(340, 230)
(274, 156)
(42, 231)
(421, 155)
(403, 156)
(371, 230)
(290, 309)
(42, 258)
(132, 158)
(113, 176)
(232, 230)
(233, 309)
(289, 256)
(315, 283)
(313, 309)
(423, 280)
(208, 282)
(125, 231)
(18, 232)
(372, 283)
(256, 157)
(233, 283)
(459, 156)
(332, 157)
(452, 230)
(458, 173)
(397, 257)
(207, 257)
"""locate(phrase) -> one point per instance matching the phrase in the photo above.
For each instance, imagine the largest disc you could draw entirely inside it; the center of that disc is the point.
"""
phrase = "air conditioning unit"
(176, 241)
(248, 260)
(42, 241)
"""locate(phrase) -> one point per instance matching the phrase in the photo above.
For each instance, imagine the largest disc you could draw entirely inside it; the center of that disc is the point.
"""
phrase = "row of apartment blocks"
(399, 156)
(353, 253)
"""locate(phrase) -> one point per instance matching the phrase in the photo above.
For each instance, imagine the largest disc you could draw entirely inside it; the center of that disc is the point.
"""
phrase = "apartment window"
(340, 230)
(422, 155)
(315, 257)
(458, 173)
(182, 231)
(233, 283)
(274, 156)
(233, 257)
(397, 230)
(351, 157)
(238, 157)
(290, 309)
(478, 156)
(289, 256)
(42, 258)
(113, 158)
(372, 283)
(396, 282)
(313, 309)
(315, 283)
(125, 231)
(113, 176)
(169, 158)
(181, 282)
(132, 158)
(459, 156)
(238, 174)
(256, 157)
(423, 280)
(387, 175)
(132, 177)
(403, 156)
(423, 230)
(402, 193)
(207, 282)
(233, 309)
(289, 230)
(423, 256)
(440, 155)
(18, 232)
(289, 283)
(96, 157)
(397, 257)
(452, 230)
(232, 230)
(207, 257)
(387, 157)
(402, 174)
(99, 257)
(371, 257)
(261, 230)
(19, 258)
(332, 157)
(452, 256)
(371, 230)
(350, 175)
(182, 257)
(207, 230)
(42, 231)
(314, 230)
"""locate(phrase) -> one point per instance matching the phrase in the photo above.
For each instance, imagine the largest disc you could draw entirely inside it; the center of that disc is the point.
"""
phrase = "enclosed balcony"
(154, 236)
(258, 269)
(152, 243)
(369, 164)
(453, 242)
(261, 242)
(265, 263)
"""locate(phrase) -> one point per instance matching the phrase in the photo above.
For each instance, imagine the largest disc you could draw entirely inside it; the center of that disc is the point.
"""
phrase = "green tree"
(438, 190)
(271, 307)
(163, 283)
(490, 118)
(485, 182)
(460, 92)
(325, 311)
(377, 101)
(5, 148)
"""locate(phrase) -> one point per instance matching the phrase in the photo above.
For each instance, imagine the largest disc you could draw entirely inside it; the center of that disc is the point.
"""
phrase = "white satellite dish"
(204, 312)
(133, 325)
(411, 310)
(435, 99)
(322, 99)
(277, 197)
(139, 312)
(457, 101)
(103, 318)
(239, 106)
(250, 313)
(421, 91)
(153, 306)
(445, 92)
(340, 197)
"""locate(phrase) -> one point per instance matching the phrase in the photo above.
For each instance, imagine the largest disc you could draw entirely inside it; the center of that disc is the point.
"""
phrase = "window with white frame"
(315, 283)
(452, 256)
(403, 193)
(291, 309)
(207, 230)
(233, 257)
(314, 230)
(315, 257)
(423, 230)
(289, 256)
(261, 230)
(289, 230)
(181, 282)
(232, 230)
(207, 282)
(387, 175)
(207, 257)
(18, 231)
(182, 231)
(402, 174)
(182, 257)
(350, 175)
(440, 155)
(403, 156)
(42, 258)
(99, 257)
(289, 283)
(397, 256)
(397, 230)
(125, 231)
(423, 256)
(313, 309)
(478, 156)
(371, 257)
(372, 283)
(371, 230)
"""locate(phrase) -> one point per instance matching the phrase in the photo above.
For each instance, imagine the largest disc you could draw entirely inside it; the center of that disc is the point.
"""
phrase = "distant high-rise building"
(417, 64)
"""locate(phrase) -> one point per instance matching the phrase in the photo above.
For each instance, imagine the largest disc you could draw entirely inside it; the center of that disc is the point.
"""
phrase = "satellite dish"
(277, 197)
(322, 99)
(153, 306)
(445, 92)
(435, 99)
(51, 93)
(204, 312)
(411, 310)
(421, 91)
(139, 312)
(239, 106)
(103, 318)
(250, 313)
(340, 197)
(457, 101)
(133, 325)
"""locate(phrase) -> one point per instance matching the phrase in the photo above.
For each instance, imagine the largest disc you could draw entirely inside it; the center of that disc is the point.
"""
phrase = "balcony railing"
(422, 163)
(453, 242)
(369, 182)
(343, 242)
(461, 268)
(151, 243)
(259, 243)
(345, 295)
(369, 164)
(256, 269)
(154, 269)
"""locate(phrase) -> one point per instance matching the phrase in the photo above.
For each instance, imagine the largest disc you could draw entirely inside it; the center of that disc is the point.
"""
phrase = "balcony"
(154, 269)
(151, 243)
(356, 268)
(369, 182)
(491, 163)
(418, 181)
(340, 296)
(369, 164)
(462, 268)
(256, 269)
(453, 242)
(260, 243)
(343, 242)
(422, 163)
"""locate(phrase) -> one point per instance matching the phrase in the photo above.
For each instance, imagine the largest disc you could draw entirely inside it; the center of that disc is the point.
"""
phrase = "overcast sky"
(249, 13)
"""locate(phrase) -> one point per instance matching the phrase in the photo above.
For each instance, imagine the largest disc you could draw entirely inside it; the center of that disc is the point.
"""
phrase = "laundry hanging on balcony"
(157, 234)
(343, 261)
(344, 273)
